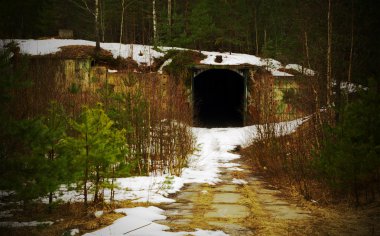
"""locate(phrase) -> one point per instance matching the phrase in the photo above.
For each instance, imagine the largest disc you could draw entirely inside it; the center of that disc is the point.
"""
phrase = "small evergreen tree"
(38, 167)
(97, 148)
(350, 159)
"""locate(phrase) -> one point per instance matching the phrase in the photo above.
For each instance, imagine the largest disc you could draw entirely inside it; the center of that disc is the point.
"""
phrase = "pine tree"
(97, 148)
(349, 160)
(39, 166)
(202, 25)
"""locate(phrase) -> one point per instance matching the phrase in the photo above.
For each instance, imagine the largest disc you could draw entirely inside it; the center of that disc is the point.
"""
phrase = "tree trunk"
(97, 35)
(256, 33)
(170, 19)
(121, 24)
(102, 25)
(86, 173)
(51, 158)
(97, 183)
(85, 183)
(265, 38)
(307, 52)
(352, 42)
(329, 62)
(155, 36)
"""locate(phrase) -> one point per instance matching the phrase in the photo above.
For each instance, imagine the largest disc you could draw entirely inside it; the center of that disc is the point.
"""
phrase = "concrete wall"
(266, 95)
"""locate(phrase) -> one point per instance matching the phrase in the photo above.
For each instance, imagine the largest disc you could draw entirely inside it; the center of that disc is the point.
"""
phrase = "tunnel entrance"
(218, 98)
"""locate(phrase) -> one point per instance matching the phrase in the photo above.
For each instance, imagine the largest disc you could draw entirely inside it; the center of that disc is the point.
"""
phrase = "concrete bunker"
(219, 98)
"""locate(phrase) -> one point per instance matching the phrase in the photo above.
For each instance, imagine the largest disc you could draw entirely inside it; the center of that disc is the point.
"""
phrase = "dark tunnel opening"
(218, 96)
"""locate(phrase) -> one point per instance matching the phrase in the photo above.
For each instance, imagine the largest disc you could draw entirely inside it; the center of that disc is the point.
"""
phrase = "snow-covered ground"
(213, 151)
(144, 54)
(139, 222)
(214, 146)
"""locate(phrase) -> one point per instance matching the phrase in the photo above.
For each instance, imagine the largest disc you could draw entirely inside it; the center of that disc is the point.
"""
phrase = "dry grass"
(259, 219)
(339, 218)
(81, 51)
(202, 205)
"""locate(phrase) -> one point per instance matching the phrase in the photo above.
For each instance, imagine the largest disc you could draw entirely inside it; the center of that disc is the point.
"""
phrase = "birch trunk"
(155, 39)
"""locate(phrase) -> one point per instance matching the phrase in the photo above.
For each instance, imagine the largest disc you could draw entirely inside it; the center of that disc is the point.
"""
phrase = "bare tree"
(83, 4)
(123, 5)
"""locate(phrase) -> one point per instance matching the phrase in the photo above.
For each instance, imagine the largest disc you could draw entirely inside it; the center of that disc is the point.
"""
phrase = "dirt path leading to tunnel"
(253, 208)
(239, 205)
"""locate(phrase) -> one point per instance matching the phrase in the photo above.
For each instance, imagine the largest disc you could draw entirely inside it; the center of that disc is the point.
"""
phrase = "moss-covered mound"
(182, 61)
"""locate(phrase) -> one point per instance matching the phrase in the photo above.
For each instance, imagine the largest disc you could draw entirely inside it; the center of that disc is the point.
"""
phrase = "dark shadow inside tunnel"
(218, 99)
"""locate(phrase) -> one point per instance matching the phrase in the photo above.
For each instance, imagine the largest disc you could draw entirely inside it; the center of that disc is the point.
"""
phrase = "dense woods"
(336, 38)
(290, 31)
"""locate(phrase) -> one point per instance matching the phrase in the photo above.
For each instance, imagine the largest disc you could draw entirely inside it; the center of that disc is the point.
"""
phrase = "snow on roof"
(270, 63)
(230, 59)
(278, 73)
(301, 69)
(140, 53)
(144, 54)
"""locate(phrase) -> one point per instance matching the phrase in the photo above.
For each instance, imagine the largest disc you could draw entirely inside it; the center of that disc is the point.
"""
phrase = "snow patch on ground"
(74, 232)
(153, 189)
(134, 219)
(236, 169)
(239, 181)
(98, 214)
(139, 221)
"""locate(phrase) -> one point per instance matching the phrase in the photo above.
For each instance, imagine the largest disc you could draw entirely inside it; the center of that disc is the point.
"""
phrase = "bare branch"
(83, 7)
